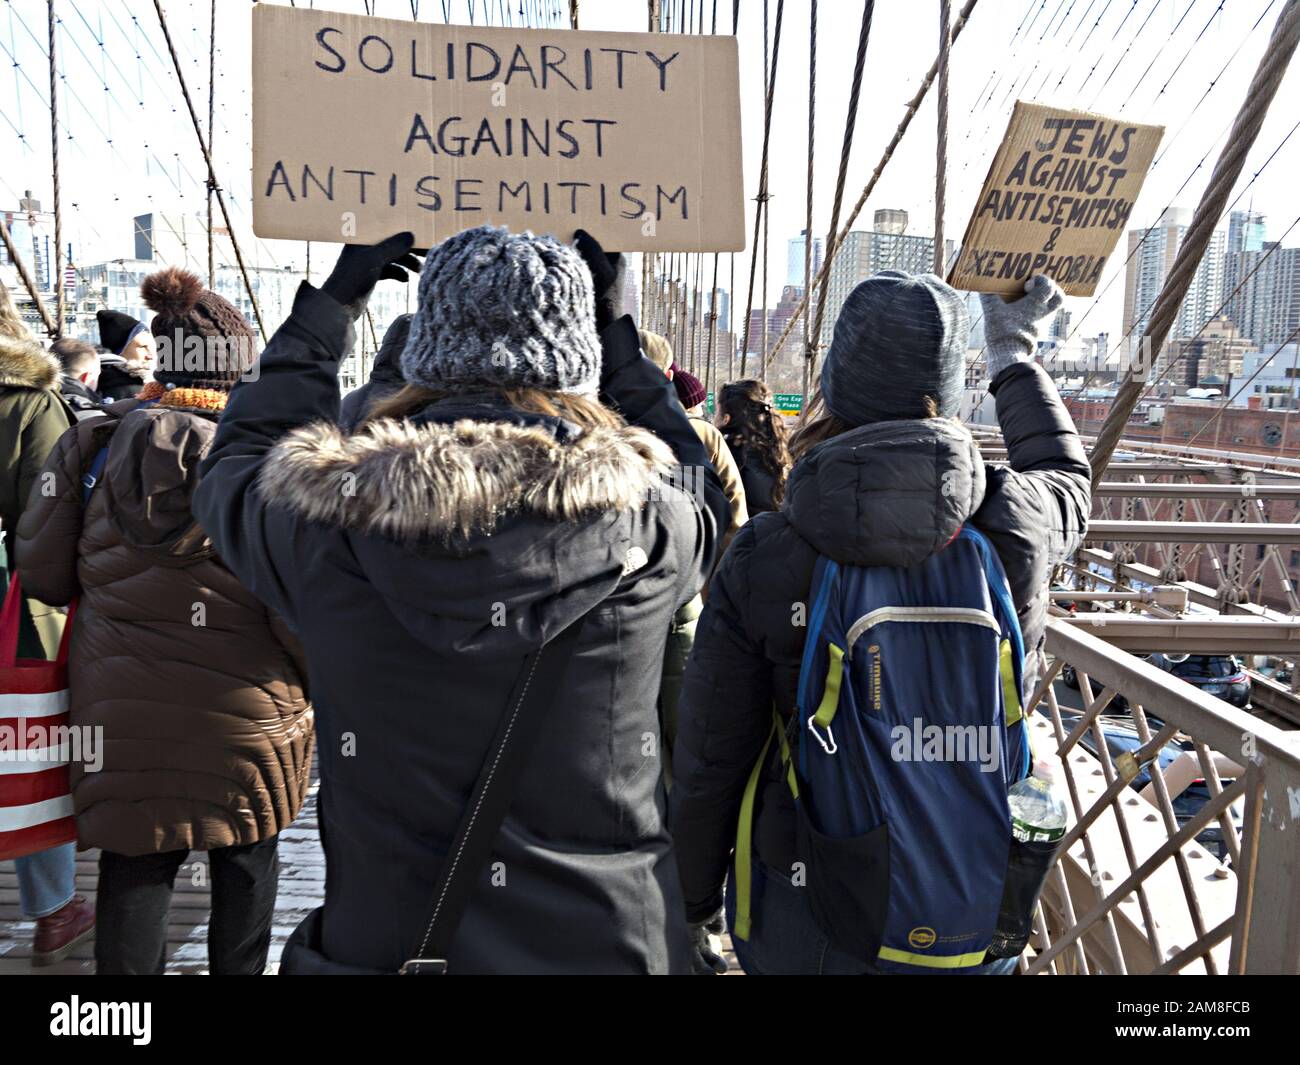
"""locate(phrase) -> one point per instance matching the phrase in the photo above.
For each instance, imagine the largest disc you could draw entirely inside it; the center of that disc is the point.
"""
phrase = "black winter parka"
(892, 494)
(419, 562)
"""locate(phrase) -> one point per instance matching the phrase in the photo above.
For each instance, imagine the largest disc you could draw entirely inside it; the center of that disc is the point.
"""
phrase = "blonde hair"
(584, 411)
(11, 323)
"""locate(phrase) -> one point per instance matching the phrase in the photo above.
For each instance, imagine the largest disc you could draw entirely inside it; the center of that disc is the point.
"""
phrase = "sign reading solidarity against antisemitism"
(363, 127)
(1057, 197)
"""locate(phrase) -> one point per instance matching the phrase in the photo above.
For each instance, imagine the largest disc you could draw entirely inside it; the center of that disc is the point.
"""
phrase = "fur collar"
(25, 364)
(436, 480)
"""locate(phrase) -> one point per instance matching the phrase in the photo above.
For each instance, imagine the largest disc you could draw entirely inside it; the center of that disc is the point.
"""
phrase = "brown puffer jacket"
(199, 690)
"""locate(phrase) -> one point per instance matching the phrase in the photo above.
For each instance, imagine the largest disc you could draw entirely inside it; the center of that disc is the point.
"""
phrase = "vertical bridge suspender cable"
(762, 181)
(941, 144)
(808, 213)
(59, 288)
(212, 173)
(909, 113)
(212, 129)
(830, 248)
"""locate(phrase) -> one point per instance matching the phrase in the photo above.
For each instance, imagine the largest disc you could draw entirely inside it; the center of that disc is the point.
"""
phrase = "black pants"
(135, 895)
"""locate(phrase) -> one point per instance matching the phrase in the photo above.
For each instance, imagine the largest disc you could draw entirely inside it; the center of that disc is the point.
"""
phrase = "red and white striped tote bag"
(35, 799)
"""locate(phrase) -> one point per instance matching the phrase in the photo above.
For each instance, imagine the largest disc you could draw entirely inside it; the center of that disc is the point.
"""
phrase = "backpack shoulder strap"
(535, 691)
(93, 473)
(103, 432)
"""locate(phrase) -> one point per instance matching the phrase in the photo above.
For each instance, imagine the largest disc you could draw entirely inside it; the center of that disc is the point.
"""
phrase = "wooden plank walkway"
(302, 887)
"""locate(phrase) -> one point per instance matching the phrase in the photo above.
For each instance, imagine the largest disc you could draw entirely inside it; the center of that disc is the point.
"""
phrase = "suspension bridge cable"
(762, 177)
(1160, 51)
(999, 69)
(941, 146)
(1268, 76)
(817, 312)
(909, 112)
(1037, 54)
(26, 278)
(1114, 35)
(1124, 55)
(212, 173)
(212, 97)
(60, 289)
(1195, 41)
(1160, 158)
(1275, 245)
(808, 212)
(1215, 80)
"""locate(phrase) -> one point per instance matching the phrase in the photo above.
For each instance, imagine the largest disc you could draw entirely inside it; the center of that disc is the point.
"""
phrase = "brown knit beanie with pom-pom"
(203, 340)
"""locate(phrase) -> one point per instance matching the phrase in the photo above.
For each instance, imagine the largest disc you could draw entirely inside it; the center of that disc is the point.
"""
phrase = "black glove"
(606, 276)
(362, 266)
(705, 961)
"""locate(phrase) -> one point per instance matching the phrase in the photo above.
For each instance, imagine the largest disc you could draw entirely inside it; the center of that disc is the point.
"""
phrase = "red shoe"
(62, 930)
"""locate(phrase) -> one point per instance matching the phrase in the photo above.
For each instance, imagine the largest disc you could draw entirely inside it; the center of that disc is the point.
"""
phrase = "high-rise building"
(1151, 254)
(1216, 354)
(1262, 290)
(32, 233)
(1245, 231)
(796, 250)
(886, 246)
(786, 366)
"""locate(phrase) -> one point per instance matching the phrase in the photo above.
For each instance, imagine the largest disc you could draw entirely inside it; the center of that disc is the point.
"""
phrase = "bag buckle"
(830, 748)
(423, 967)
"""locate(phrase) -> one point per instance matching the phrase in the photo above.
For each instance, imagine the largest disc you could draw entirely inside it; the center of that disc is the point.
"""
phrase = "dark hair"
(757, 427)
(822, 425)
(76, 356)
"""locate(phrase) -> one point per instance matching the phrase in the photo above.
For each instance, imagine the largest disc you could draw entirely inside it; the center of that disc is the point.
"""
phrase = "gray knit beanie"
(503, 310)
(899, 338)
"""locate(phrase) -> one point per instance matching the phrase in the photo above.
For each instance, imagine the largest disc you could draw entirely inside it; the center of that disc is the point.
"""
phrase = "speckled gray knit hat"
(899, 338)
(503, 310)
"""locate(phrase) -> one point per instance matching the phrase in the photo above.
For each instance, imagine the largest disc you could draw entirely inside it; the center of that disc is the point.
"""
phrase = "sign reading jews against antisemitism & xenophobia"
(363, 127)
(1057, 197)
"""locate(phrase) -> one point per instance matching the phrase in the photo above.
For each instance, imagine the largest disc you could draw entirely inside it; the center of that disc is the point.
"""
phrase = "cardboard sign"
(1057, 197)
(363, 127)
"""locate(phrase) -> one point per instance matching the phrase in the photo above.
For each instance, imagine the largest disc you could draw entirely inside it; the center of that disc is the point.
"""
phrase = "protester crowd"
(525, 517)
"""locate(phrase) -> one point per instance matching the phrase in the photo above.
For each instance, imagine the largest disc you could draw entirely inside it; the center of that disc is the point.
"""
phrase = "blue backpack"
(909, 736)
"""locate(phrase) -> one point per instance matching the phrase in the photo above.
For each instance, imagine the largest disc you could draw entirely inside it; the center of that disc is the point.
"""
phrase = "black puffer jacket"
(892, 493)
(118, 379)
(414, 641)
(385, 375)
(759, 483)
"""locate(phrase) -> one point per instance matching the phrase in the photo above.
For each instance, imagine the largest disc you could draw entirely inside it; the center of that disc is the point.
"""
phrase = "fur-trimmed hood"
(413, 481)
(25, 364)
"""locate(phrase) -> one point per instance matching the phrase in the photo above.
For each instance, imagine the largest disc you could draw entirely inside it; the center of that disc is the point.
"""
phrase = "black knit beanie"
(116, 330)
(899, 338)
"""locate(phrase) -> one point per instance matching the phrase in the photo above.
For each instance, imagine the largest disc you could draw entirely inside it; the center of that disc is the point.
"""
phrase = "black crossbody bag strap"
(534, 692)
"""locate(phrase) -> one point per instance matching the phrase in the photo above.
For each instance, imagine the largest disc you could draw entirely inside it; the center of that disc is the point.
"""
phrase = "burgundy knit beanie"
(690, 389)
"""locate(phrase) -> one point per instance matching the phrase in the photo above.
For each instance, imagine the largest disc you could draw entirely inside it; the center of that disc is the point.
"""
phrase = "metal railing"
(1132, 890)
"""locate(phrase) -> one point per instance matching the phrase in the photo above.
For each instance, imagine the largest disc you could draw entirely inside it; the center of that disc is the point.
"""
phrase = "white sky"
(132, 148)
